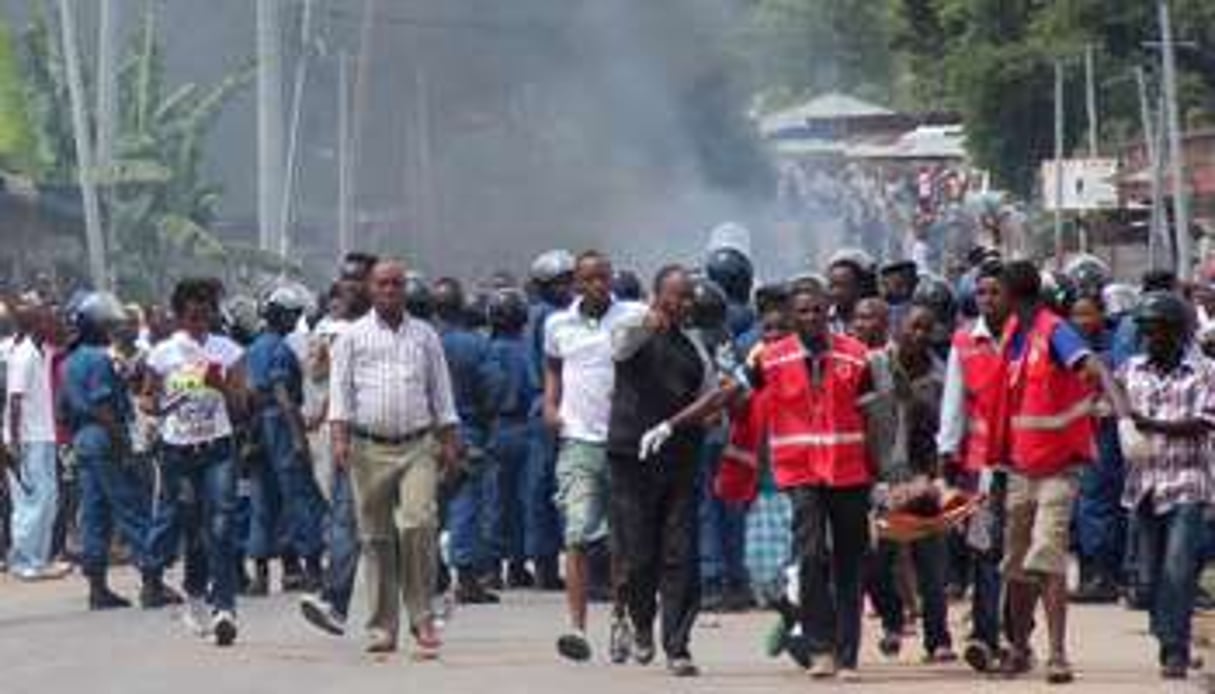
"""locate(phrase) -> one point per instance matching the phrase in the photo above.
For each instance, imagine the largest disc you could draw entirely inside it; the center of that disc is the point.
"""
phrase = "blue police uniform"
(110, 490)
(288, 510)
(512, 446)
(472, 513)
(543, 520)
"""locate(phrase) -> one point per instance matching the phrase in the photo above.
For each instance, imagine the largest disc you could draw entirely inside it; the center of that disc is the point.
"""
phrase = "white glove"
(653, 440)
(986, 477)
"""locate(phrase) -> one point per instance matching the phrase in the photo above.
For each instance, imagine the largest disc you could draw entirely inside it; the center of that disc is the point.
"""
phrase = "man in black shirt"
(660, 372)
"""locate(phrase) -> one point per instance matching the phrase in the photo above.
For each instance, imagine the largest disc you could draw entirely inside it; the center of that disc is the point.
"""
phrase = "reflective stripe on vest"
(1055, 422)
(839, 439)
(741, 455)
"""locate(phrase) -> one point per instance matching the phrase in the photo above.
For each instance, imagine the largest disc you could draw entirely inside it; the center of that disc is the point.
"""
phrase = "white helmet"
(551, 265)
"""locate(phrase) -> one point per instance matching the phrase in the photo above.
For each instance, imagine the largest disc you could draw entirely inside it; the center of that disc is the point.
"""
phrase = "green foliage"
(18, 145)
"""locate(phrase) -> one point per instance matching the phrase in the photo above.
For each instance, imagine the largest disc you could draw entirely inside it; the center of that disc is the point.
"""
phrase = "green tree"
(18, 146)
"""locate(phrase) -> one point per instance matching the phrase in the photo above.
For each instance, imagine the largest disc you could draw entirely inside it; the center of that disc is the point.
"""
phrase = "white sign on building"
(1088, 184)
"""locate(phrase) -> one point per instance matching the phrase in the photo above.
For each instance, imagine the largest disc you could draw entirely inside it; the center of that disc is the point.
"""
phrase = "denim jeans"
(1170, 545)
(288, 509)
(723, 527)
(342, 538)
(198, 499)
(112, 498)
(35, 501)
(545, 534)
(929, 557)
(1100, 522)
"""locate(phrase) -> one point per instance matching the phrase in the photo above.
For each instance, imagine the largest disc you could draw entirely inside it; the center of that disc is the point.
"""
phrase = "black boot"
(260, 585)
(314, 575)
(293, 575)
(548, 574)
(469, 590)
(102, 598)
(154, 594)
(517, 575)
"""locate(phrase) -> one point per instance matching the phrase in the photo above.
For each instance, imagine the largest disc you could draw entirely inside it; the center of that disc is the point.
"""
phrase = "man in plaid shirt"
(1169, 485)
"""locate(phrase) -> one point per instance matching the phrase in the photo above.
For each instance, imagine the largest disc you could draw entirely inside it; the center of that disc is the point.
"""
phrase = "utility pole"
(293, 136)
(344, 230)
(1090, 100)
(107, 94)
(1185, 260)
(362, 84)
(1153, 155)
(93, 233)
(1058, 163)
(269, 122)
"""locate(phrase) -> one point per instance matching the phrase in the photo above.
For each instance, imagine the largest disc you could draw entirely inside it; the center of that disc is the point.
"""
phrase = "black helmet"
(449, 302)
(357, 266)
(627, 286)
(507, 310)
(933, 292)
(1058, 291)
(1088, 273)
(732, 272)
(419, 301)
(1164, 307)
(476, 313)
(708, 305)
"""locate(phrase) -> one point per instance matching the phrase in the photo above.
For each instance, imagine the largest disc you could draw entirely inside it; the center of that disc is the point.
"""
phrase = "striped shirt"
(1175, 470)
(390, 382)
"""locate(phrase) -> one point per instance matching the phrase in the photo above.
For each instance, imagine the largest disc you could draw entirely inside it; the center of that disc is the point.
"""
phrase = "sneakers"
(517, 576)
(822, 666)
(849, 674)
(320, 614)
(380, 642)
(1097, 591)
(620, 646)
(940, 655)
(470, 592)
(197, 617)
(155, 594)
(426, 642)
(1059, 672)
(50, 572)
(682, 666)
(643, 647)
(223, 626)
(574, 646)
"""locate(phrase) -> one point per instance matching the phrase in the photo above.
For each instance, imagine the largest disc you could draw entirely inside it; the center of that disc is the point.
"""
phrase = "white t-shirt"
(29, 375)
(195, 413)
(588, 372)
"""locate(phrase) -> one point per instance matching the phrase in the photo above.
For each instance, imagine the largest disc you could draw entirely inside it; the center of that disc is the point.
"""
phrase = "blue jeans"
(111, 498)
(208, 474)
(35, 500)
(512, 449)
(473, 512)
(929, 557)
(1170, 546)
(288, 509)
(343, 540)
(546, 536)
(1100, 522)
(723, 527)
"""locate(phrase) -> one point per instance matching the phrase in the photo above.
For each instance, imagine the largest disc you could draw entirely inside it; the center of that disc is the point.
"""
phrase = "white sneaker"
(196, 615)
(223, 625)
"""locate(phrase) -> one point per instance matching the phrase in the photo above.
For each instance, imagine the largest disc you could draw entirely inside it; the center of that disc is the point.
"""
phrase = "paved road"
(49, 644)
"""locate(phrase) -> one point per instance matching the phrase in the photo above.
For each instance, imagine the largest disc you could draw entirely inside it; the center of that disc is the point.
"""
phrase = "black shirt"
(654, 384)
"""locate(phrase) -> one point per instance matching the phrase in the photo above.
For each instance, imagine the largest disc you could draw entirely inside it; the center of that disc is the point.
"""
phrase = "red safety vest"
(984, 381)
(1050, 406)
(816, 432)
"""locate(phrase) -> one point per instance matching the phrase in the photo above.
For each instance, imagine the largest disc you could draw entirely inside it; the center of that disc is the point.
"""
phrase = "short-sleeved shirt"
(1177, 470)
(195, 412)
(91, 381)
(29, 376)
(1067, 347)
(588, 372)
(271, 361)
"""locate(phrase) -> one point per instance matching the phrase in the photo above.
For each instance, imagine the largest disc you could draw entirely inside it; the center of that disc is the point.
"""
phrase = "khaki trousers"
(395, 499)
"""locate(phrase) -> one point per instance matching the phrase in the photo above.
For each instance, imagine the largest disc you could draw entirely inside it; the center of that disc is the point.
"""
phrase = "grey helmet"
(552, 265)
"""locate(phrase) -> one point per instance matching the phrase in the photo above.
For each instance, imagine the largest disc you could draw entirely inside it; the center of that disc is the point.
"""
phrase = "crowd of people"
(869, 435)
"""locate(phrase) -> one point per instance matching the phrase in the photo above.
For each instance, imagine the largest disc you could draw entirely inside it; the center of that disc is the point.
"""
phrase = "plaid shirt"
(1177, 470)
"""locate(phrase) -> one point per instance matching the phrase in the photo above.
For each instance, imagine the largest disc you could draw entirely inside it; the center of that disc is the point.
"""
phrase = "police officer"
(100, 411)
(276, 382)
(723, 526)
(472, 511)
(512, 440)
(552, 279)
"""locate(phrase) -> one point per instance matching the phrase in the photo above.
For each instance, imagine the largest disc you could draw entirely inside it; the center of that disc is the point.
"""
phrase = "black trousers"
(831, 541)
(655, 531)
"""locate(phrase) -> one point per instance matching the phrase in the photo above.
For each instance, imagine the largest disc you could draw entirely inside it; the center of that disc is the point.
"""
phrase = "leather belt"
(390, 440)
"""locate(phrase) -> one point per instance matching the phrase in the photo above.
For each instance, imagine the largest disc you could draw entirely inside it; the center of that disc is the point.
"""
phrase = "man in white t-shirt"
(578, 378)
(29, 434)
(195, 379)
